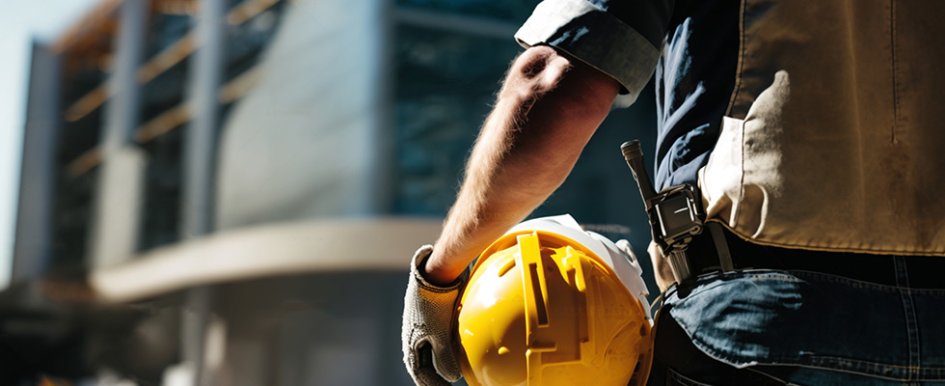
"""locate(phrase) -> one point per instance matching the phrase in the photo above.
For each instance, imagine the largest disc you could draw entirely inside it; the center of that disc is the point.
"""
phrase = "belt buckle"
(678, 254)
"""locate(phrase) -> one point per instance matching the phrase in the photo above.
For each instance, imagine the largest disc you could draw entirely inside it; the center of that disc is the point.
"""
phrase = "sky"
(21, 21)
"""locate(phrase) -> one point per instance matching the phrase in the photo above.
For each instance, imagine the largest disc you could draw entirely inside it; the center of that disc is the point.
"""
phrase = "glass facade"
(446, 83)
(245, 42)
(160, 216)
(515, 11)
(72, 218)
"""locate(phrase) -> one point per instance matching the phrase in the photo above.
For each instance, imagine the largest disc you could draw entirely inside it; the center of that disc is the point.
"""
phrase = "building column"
(117, 203)
(34, 218)
(200, 153)
(201, 136)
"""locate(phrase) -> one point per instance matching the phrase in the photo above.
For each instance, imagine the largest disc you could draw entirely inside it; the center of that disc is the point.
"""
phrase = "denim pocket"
(764, 317)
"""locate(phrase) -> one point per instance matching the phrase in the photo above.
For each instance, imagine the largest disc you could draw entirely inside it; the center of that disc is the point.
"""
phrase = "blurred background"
(227, 192)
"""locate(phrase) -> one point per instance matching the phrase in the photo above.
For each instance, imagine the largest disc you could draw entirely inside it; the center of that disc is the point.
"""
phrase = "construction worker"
(809, 136)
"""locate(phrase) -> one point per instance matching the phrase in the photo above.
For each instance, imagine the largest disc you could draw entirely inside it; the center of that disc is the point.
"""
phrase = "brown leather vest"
(835, 136)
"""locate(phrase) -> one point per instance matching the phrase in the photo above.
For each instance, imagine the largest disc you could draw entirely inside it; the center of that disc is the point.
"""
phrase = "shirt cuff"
(596, 37)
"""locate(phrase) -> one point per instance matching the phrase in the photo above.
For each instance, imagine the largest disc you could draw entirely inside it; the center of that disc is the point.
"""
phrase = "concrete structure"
(32, 251)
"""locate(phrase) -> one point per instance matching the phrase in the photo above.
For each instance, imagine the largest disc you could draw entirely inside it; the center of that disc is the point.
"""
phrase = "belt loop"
(721, 246)
(679, 264)
(902, 272)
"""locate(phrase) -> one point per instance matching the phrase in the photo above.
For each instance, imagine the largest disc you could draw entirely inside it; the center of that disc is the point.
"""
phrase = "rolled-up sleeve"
(621, 38)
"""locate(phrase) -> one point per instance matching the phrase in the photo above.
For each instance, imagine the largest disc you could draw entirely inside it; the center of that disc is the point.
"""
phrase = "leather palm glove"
(427, 335)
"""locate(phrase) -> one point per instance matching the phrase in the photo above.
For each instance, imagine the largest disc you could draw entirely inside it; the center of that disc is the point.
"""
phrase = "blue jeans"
(801, 327)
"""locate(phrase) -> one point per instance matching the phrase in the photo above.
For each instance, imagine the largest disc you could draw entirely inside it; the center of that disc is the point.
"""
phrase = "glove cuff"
(418, 264)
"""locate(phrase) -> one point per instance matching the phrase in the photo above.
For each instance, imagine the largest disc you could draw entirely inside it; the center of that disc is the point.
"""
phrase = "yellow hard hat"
(549, 304)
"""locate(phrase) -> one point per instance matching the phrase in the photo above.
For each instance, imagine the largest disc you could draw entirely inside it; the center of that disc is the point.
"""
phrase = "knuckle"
(541, 66)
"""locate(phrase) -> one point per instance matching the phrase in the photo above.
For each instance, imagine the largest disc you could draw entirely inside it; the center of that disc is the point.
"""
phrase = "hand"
(427, 336)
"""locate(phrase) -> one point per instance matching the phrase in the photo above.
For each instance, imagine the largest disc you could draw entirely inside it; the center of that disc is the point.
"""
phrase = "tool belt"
(694, 246)
(922, 271)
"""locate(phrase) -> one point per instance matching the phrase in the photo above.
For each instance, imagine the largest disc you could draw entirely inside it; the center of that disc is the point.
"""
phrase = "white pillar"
(117, 203)
(199, 174)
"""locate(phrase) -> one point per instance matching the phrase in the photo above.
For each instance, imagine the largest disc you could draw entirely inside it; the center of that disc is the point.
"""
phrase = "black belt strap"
(707, 253)
(721, 246)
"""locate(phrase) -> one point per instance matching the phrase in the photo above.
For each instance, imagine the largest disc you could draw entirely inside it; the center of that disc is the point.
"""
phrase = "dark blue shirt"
(691, 46)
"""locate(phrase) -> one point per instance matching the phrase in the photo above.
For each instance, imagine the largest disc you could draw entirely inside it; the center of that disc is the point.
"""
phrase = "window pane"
(445, 85)
(515, 10)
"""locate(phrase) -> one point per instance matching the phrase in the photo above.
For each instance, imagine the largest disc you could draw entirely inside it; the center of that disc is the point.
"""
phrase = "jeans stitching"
(766, 375)
(911, 371)
(908, 308)
(857, 366)
(684, 380)
(899, 372)
(713, 280)
(853, 283)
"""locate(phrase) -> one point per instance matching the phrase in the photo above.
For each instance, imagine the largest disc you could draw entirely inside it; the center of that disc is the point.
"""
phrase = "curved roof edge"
(337, 245)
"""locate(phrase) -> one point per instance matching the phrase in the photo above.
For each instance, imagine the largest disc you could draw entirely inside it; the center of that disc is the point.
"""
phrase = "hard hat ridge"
(544, 309)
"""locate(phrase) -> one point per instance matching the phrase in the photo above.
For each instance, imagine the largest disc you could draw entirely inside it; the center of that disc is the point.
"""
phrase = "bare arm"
(547, 110)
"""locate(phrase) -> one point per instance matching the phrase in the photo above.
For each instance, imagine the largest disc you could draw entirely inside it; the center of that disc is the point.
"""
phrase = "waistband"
(915, 271)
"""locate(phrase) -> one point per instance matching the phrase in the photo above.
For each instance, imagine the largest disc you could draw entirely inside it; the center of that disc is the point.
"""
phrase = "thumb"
(445, 362)
(424, 371)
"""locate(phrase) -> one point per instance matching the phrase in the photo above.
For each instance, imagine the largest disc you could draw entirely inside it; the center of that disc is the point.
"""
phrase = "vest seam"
(895, 69)
(740, 62)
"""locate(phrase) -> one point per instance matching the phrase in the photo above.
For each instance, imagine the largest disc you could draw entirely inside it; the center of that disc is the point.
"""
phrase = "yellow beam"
(87, 161)
(168, 120)
(163, 123)
(239, 86)
(247, 10)
(170, 56)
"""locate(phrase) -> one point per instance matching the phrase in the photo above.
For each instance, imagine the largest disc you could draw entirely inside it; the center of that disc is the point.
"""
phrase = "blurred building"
(227, 192)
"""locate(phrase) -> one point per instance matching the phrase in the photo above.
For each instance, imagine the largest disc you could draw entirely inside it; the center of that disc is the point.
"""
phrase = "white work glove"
(427, 337)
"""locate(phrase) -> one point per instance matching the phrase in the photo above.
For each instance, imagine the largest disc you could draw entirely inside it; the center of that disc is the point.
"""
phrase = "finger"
(625, 247)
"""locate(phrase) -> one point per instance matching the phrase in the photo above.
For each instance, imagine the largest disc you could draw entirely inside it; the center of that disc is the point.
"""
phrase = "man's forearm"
(546, 112)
